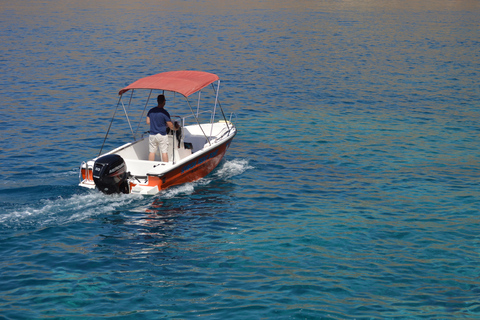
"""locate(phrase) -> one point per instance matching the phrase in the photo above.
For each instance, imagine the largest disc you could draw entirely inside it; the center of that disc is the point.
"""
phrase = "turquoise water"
(351, 190)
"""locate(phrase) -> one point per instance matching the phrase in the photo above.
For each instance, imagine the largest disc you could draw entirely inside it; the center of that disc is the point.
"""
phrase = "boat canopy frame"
(185, 83)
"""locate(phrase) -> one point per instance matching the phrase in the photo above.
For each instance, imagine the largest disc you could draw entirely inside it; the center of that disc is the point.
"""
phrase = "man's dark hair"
(160, 98)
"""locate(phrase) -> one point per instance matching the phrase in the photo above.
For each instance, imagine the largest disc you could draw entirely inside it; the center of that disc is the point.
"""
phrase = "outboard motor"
(110, 174)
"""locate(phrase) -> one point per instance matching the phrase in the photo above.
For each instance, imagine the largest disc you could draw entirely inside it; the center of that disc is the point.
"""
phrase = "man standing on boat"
(159, 119)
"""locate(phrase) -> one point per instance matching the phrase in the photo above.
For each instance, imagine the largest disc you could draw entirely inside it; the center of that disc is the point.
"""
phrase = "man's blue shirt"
(158, 120)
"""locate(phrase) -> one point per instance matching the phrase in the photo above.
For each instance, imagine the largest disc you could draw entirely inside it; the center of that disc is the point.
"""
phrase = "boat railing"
(193, 116)
(184, 118)
(208, 135)
(225, 132)
(231, 115)
(228, 129)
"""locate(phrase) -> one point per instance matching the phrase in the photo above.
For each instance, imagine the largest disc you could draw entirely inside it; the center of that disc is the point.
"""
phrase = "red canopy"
(183, 82)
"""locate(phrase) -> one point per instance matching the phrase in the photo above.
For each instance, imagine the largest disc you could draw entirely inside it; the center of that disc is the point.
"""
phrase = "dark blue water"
(350, 192)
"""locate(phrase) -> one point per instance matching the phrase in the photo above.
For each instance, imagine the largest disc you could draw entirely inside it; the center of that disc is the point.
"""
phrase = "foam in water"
(228, 170)
(79, 207)
(186, 188)
(64, 210)
(233, 168)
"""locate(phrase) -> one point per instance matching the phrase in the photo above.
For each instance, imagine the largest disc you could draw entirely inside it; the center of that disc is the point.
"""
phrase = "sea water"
(351, 190)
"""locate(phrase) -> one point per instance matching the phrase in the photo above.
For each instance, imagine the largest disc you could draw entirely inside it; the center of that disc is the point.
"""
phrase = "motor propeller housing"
(110, 174)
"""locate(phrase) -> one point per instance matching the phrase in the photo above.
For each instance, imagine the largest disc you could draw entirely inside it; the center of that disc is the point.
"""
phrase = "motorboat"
(195, 149)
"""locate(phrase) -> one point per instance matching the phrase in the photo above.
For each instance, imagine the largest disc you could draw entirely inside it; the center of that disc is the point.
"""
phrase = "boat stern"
(85, 175)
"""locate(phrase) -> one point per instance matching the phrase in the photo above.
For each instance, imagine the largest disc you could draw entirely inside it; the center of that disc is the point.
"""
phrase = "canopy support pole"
(196, 119)
(215, 106)
(128, 119)
(110, 126)
(198, 103)
(143, 113)
(219, 105)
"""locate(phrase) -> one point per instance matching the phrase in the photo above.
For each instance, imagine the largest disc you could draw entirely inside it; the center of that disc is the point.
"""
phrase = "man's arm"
(171, 126)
